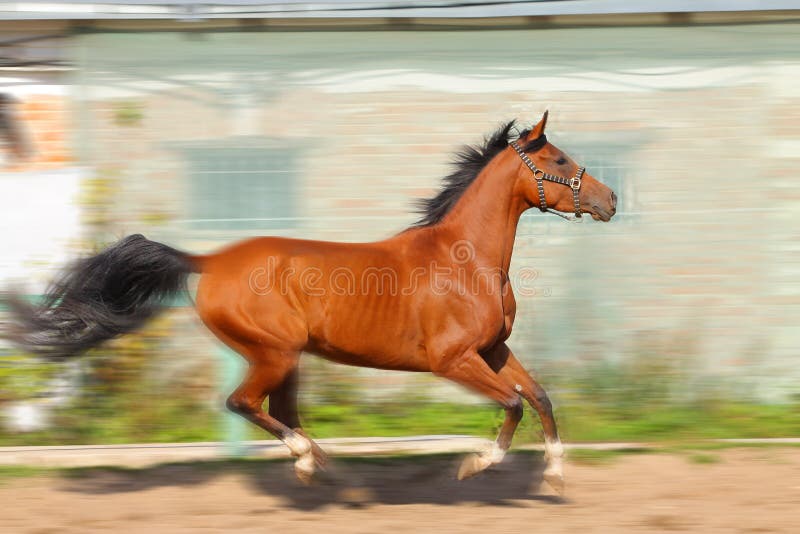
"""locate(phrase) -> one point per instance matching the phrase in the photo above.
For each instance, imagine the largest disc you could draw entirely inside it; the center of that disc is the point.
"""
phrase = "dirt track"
(744, 490)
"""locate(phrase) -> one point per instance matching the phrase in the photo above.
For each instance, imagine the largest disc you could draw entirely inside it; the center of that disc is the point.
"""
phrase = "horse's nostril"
(613, 200)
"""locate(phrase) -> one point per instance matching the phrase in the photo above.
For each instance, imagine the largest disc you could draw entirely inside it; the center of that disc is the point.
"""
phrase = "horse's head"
(551, 180)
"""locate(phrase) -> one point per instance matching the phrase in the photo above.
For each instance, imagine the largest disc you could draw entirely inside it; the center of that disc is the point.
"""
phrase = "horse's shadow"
(347, 481)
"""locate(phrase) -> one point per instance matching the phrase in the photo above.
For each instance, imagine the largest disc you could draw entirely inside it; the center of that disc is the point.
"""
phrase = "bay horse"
(272, 298)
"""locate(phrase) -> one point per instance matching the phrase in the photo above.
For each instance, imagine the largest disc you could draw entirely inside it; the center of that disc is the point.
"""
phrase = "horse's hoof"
(304, 468)
(320, 458)
(555, 479)
(472, 465)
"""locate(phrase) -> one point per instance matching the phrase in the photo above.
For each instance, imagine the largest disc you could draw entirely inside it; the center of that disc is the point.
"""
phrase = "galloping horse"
(271, 298)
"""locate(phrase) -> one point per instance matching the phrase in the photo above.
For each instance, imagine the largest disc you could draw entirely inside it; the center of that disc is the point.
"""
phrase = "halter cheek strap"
(539, 175)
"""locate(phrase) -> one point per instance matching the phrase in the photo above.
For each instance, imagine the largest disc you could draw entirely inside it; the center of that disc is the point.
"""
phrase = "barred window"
(241, 188)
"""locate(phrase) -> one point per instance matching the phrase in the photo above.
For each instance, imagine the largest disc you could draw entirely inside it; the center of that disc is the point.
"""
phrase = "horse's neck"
(486, 216)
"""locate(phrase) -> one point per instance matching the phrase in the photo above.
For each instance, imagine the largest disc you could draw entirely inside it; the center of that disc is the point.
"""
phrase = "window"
(241, 188)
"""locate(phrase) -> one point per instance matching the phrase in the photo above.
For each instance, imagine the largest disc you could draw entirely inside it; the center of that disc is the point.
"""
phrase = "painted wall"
(695, 127)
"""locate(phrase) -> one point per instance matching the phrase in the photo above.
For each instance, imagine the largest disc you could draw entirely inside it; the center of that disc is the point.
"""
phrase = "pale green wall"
(696, 127)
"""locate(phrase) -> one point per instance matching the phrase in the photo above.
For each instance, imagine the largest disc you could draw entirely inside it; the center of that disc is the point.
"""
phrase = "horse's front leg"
(470, 370)
(510, 370)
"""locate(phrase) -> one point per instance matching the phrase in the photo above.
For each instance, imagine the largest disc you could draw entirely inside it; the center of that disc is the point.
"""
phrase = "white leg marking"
(554, 472)
(305, 465)
(301, 448)
(297, 443)
(553, 449)
(495, 454)
(477, 462)
(491, 455)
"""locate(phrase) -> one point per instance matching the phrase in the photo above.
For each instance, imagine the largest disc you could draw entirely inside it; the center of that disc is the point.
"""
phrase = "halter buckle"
(575, 183)
(538, 176)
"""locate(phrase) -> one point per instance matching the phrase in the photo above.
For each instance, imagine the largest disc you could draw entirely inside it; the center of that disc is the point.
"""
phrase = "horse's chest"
(509, 305)
(496, 321)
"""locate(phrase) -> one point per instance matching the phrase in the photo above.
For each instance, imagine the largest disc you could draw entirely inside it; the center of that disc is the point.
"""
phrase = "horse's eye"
(561, 161)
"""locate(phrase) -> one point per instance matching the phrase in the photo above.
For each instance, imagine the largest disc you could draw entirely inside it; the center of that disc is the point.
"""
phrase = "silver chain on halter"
(539, 175)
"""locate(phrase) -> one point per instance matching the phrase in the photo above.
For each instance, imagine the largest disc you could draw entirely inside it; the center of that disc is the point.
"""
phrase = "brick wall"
(45, 123)
(693, 125)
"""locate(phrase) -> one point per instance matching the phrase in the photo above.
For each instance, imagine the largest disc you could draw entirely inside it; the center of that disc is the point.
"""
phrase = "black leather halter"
(573, 183)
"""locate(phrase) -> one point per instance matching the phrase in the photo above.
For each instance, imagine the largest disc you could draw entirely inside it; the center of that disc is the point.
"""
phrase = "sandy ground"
(742, 490)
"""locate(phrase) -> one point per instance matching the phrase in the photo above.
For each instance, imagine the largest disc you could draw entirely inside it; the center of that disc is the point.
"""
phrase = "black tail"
(100, 297)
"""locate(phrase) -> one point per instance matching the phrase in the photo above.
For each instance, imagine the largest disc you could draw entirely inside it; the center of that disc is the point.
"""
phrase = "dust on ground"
(748, 490)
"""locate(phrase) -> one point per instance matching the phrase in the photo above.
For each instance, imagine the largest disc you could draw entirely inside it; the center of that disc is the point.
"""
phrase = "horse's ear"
(538, 130)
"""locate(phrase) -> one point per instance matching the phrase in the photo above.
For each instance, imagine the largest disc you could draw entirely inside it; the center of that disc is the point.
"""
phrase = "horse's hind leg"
(283, 407)
(511, 371)
(268, 369)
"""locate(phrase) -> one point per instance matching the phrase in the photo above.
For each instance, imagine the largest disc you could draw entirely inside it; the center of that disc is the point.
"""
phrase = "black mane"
(468, 162)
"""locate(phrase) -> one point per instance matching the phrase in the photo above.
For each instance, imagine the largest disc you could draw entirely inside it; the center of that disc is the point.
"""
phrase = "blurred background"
(201, 125)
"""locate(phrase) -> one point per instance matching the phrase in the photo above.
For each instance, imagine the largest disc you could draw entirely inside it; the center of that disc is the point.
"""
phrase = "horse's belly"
(378, 358)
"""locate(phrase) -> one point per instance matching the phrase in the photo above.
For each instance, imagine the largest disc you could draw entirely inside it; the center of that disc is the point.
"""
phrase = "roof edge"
(189, 10)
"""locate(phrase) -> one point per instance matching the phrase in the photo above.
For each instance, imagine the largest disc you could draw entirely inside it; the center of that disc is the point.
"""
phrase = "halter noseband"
(573, 183)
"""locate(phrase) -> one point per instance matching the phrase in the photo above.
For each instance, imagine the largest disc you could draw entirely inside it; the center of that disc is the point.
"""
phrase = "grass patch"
(10, 472)
(679, 423)
(578, 422)
(391, 420)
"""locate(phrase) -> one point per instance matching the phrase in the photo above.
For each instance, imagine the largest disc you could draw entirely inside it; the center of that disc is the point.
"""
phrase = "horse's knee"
(515, 409)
